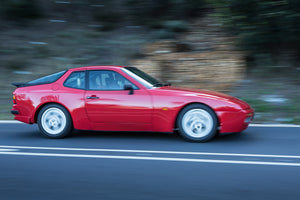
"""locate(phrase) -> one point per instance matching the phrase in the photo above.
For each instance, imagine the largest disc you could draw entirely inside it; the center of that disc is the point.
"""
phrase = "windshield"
(145, 79)
(46, 79)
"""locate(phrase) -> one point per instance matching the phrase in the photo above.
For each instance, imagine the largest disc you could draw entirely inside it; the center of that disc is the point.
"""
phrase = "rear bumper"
(235, 121)
(18, 116)
(14, 112)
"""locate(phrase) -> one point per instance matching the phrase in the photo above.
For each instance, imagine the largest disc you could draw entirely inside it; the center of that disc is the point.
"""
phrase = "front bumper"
(235, 121)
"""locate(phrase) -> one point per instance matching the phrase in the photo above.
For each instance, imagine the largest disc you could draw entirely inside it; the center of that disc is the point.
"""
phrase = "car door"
(110, 107)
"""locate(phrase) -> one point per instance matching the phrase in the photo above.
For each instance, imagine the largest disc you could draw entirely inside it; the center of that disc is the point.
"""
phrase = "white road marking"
(275, 125)
(10, 122)
(9, 149)
(154, 158)
(153, 152)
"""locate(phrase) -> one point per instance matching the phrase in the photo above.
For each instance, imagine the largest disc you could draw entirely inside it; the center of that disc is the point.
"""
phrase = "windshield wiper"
(161, 84)
(158, 85)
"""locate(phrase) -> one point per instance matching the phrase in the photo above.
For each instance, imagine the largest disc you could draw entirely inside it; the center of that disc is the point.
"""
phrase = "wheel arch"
(194, 103)
(45, 104)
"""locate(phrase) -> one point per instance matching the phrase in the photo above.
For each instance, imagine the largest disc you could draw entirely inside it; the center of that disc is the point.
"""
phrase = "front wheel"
(54, 121)
(197, 123)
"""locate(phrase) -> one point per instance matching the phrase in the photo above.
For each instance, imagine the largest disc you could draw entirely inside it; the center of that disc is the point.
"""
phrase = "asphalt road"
(260, 163)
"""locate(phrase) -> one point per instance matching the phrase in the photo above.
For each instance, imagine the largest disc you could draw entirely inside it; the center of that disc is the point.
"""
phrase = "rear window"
(47, 79)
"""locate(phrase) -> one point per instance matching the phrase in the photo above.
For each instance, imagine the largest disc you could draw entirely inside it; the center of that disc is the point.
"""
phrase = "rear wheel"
(197, 123)
(54, 121)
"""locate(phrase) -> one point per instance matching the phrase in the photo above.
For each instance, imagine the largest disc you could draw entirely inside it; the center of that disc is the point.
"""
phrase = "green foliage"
(17, 62)
(41, 51)
(20, 9)
(268, 27)
(162, 34)
(169, 14)
(176, 25)
(153, 12)
(109, 14)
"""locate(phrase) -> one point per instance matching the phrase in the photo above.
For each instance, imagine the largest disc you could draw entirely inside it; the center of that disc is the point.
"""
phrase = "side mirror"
(130, 88)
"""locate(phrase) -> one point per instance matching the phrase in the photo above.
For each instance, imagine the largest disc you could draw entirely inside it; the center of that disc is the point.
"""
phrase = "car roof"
(96, 67)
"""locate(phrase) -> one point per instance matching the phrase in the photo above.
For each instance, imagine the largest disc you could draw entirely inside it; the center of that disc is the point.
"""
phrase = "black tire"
(197, 123)
(54, 121)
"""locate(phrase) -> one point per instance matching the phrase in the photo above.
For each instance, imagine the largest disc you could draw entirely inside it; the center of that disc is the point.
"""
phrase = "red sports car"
(114, 98)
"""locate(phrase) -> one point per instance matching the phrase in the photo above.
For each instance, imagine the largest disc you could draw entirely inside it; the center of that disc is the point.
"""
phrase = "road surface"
(260, 163)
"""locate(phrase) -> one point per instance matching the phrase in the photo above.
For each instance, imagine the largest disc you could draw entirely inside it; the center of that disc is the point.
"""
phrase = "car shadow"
(78, 135)
(224, 137)
(240, 137)
(124, 135)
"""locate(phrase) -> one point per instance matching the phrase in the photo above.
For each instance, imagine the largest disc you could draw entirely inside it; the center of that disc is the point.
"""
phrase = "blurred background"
(249, 49)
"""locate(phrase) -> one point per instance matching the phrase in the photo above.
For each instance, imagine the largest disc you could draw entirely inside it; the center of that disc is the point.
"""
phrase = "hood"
(206, 94)
(196, 92)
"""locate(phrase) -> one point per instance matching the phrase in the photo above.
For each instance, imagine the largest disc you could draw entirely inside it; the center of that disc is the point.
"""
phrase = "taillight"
(14, 99)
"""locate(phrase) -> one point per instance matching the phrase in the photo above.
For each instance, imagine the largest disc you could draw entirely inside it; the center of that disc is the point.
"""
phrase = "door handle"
(92, 97)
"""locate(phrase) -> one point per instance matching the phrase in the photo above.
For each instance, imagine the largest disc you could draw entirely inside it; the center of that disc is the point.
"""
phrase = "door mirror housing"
(130, 88)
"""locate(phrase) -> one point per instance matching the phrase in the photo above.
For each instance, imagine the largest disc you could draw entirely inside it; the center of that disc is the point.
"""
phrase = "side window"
(76, 80)
(108, 80)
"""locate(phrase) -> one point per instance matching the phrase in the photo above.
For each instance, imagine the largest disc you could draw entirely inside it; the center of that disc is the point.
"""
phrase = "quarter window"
(76, 80)
(108, 80)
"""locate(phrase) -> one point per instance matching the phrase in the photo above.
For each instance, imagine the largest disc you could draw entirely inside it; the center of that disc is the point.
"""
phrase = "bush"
(20, 9)
(109, 14)
(266, 27)
(149, 12)
(162, 34)
(176, 25)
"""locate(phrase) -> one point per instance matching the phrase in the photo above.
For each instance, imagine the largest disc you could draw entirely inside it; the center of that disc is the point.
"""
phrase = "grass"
(259, 105)
(296, 120)
(281, 85)
(279, 113)
(5, 108)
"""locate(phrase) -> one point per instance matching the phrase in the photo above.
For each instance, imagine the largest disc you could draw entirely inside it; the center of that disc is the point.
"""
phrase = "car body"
(117, 98)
